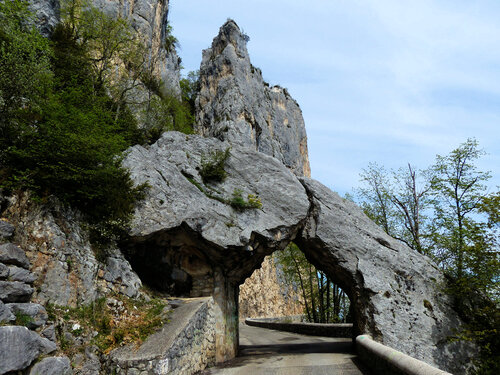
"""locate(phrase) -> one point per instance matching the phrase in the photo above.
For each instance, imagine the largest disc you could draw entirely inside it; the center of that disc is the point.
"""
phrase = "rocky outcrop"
(149, 19)
(52, 366)
(62, 259)
(47, 14)
(19, 347)
(236, 105)
(396, 292)
(265, 295)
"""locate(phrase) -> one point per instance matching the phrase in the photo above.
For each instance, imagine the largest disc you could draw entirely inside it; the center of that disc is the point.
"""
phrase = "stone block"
(52, 366)
(6, 229)
(19, 347)
(20, 274)
(14, 291)
(11, 254)
(36, 312)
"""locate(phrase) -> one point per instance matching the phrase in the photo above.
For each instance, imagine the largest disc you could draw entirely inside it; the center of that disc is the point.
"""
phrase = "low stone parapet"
(383, 360)
(312, 329)
(185, 345)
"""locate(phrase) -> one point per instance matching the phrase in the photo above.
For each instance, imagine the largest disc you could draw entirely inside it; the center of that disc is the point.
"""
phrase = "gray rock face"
(37, 313)
(6, 315)
(175, 201)
(396, 292)
(61, 255)
(19, 347)
(6, 229)
(149, 19)
(236, 105)
(11, 254)
(14, 291)
(119, 274)
(4, 271)
(47, 13)
(52, 366)
(20, 274)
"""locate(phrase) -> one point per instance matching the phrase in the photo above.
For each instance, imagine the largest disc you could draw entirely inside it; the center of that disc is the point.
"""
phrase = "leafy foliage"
(25, 74)
(190, 87)
(171, 42)
(212, 165)
(323, 300)
(70, 137)
(165, 113)
(458, 226)
(237, 201)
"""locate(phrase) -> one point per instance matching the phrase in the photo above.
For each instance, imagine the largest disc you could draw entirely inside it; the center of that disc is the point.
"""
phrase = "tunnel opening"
(295, 289)
(171, 263)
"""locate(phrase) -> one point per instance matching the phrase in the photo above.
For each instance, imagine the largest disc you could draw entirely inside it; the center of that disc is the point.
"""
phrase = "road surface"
(269, 352)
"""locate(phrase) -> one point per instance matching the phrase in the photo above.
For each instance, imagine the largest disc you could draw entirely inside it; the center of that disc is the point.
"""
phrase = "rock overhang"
(179, 204)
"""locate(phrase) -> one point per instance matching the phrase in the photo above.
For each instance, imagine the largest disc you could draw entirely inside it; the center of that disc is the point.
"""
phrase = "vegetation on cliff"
(322, 299)
(446, 213)
(64, 110)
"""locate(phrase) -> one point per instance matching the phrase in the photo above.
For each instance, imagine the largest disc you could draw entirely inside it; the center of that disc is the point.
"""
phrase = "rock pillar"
(226, 318)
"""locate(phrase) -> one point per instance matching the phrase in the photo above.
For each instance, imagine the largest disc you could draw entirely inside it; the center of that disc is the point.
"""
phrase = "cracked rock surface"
(236, 105)
(396, 292)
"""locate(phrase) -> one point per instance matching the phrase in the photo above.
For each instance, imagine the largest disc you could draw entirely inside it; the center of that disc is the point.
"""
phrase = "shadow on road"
(285, 348)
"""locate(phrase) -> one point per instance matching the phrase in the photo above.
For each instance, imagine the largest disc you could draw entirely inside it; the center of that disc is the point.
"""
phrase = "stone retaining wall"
(313, 329)
(184, 346)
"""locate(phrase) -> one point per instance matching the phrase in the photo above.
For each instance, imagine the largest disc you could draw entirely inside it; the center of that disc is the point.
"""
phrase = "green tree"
(376, 195)
(323, 300)
(25, 75)
(458, 188)
(190, 87)
(71, 143)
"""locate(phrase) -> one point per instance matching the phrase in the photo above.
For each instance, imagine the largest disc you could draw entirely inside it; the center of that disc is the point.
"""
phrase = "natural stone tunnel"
(211, 247)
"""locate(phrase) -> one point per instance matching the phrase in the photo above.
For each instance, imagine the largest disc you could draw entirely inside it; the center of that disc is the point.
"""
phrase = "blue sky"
(380, 81)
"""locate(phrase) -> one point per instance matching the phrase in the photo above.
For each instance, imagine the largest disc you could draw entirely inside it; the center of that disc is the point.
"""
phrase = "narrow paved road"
(269, 352)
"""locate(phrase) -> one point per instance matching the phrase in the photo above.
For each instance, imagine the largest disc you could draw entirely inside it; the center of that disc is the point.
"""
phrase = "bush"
(166, 113)
(212, 166)
(25, 75)
(70, 143)
(240, 203)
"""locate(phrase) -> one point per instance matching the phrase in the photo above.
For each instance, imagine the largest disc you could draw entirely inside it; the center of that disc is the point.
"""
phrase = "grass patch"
(23, 319)
(109, 324)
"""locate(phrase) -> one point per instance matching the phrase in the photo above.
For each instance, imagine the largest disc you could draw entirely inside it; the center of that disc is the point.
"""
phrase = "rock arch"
(191, 225)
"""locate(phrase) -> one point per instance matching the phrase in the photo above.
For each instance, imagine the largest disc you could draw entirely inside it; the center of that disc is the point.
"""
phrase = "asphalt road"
(269, 352)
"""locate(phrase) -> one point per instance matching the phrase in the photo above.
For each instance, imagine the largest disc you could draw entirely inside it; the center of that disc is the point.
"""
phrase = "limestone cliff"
(149, 18)
(265, 295)
(236, 105)
(396, 292)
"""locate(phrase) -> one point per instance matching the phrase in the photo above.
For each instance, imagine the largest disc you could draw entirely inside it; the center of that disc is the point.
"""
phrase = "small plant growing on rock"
(109, 323)
(212, 166)
(23, 319)
(240, 203)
